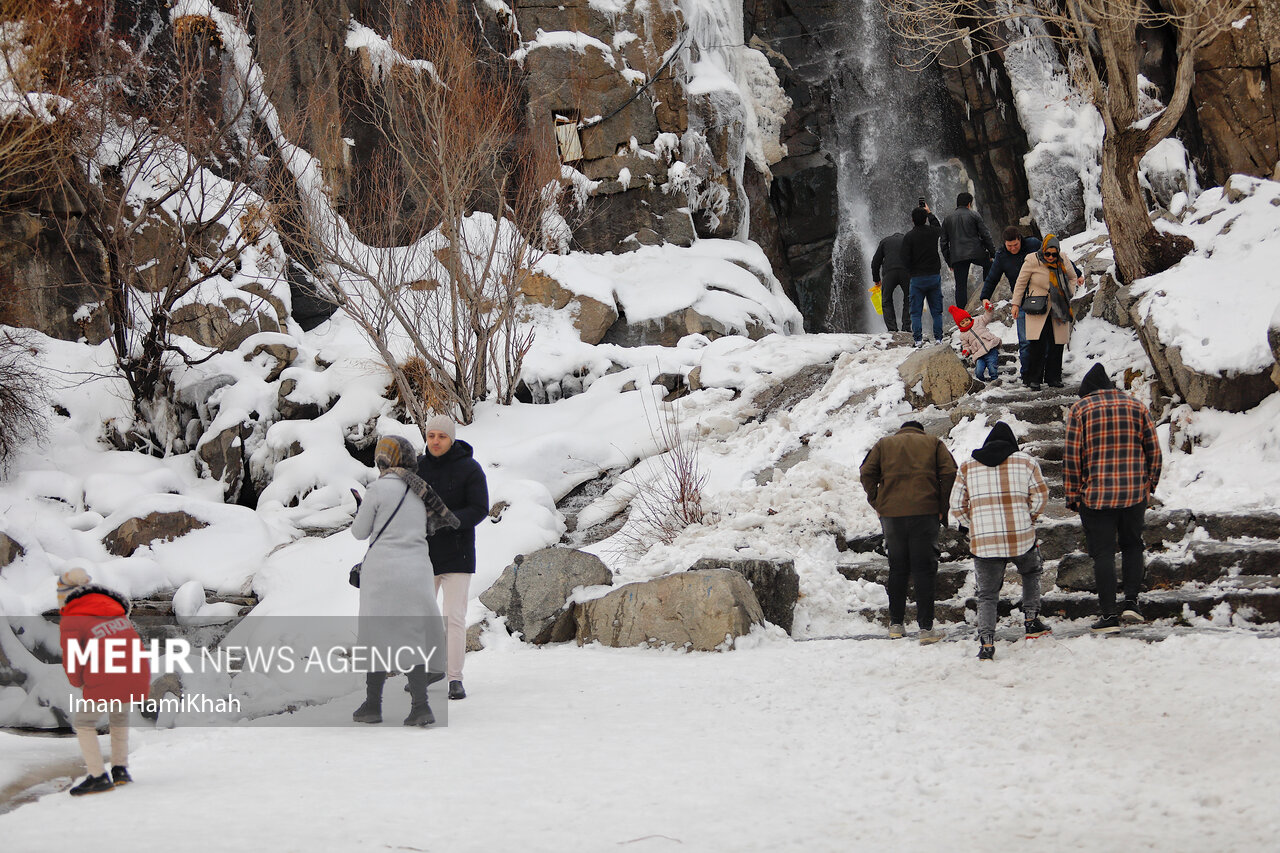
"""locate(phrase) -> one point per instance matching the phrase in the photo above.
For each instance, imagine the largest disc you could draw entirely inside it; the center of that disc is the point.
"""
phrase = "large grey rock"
(699, 610)
(934, 376)
(1228, 393)
(531, 593)
(669, 329)
(10, 549)
(132, 534)
(775, 583)
(224, 457)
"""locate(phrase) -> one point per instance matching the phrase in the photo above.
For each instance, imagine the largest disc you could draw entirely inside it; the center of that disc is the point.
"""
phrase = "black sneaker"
(120, 776)
(1034, 386)
(456, 691)
(93, 785)
(420, 715)
(1130, 613)
(986, 652)
(1033, 628)
(1106, 625)
(368, 713)
(1055, 385)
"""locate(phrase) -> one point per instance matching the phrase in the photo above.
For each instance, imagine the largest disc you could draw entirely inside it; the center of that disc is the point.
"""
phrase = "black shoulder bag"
(353, 577)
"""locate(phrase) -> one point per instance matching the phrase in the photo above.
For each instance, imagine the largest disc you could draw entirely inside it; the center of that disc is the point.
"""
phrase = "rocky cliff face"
(1236, 100)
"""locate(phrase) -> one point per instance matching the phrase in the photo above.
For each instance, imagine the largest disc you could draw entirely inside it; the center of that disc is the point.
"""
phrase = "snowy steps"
(1213, 565)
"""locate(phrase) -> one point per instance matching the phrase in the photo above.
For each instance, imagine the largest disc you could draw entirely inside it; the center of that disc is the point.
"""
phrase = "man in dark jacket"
(889, 273)
(920, 256)
(1008, 263)
(908, 478)
(1110, 466)
(449, 467)
(966, 240)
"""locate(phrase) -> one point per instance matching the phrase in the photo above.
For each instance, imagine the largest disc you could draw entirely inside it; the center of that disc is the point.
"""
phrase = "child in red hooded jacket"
(979, 341)
(93, 614)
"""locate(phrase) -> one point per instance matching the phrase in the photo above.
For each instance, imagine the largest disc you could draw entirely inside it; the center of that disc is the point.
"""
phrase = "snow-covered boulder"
(132, 534)
(934, 376)
(1204, 322)
(700, 610)
(531, 593)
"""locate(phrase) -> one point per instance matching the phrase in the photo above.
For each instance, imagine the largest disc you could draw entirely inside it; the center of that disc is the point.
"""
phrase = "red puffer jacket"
(95, 613)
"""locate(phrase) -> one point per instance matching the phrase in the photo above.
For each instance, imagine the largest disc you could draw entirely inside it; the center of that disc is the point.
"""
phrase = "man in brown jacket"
(908, 478)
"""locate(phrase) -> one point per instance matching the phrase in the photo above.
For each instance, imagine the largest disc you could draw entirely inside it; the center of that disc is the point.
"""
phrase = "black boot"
(456, 691)
(419, 712)
(371, 710)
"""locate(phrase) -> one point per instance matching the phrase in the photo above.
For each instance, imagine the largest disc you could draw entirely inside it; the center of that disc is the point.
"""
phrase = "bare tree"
(22, 400)
(1102, 38)
(167, 168)
(445, 217)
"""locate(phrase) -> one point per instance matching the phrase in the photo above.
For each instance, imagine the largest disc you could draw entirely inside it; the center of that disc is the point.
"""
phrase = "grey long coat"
(397, 589)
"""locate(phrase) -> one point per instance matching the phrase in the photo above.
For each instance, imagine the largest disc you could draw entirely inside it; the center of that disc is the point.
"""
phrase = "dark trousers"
(961, 271)
(912, 544)
(1103, 528)
(889, 283)
(1044, 357)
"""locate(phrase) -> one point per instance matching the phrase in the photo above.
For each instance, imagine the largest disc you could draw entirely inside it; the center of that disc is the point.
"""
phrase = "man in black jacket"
(449, 467)
(889, 273)
(920, 256)
(966, 240)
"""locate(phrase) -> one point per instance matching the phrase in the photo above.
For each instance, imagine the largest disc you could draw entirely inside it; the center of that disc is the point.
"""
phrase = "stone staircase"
(1224, 568)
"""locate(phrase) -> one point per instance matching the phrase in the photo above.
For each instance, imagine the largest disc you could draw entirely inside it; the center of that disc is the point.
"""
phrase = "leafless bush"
(668, 496)
(22, 399)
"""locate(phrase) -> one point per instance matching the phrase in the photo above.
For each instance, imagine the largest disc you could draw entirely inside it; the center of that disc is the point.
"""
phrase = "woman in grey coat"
(399, 625)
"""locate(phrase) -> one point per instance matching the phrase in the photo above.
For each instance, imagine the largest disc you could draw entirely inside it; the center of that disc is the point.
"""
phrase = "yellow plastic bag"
(876, 303)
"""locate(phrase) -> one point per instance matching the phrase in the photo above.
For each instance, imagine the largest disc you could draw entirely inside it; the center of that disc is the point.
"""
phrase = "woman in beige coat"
(1046, 273)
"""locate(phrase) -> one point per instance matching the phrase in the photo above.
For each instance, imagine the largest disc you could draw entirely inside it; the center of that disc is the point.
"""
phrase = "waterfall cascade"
(892, 146)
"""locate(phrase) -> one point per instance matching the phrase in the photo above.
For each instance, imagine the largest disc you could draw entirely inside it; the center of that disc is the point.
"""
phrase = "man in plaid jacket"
(998, 495)
(1110, 467)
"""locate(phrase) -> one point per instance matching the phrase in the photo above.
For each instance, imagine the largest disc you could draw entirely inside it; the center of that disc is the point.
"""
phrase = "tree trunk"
(1125, 208)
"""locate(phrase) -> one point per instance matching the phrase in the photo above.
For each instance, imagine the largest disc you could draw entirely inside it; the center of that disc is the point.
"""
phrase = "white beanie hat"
(444, 424)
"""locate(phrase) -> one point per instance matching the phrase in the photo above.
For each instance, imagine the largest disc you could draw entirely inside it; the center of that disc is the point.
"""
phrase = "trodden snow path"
(1098, 743)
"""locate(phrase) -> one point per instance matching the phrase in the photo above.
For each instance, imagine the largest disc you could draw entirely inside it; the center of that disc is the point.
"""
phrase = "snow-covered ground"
(1088, 743)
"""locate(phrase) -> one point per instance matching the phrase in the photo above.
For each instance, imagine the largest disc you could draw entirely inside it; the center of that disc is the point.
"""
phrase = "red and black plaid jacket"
(1112, 458)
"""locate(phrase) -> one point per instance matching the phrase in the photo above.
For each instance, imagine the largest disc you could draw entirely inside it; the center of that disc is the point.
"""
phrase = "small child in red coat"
(93, 614)
(978, 341)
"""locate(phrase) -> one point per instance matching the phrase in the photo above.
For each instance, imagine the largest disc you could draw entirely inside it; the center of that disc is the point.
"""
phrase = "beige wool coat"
(1034, 280)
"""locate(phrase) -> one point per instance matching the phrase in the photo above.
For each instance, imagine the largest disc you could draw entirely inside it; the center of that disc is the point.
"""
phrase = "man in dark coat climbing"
(1110, 466)
(889, 273)
(908, 478)
(966, 241)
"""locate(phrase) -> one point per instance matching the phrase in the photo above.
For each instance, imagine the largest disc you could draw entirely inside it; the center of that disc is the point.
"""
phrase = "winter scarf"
(1095, 380)
(999, 446)
(390, 455)
(1059, 304)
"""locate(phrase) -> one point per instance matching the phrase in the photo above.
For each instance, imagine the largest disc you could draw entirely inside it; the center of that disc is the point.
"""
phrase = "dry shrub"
(669, 499)
(22, 400)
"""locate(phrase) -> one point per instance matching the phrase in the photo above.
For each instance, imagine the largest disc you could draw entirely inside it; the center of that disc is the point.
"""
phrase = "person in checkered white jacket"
(998, 495)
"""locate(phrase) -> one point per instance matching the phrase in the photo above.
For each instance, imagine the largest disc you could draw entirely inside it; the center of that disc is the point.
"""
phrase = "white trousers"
(454, 609)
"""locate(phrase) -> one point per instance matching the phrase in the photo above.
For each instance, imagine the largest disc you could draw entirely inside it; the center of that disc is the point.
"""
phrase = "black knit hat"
(1095, 380)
